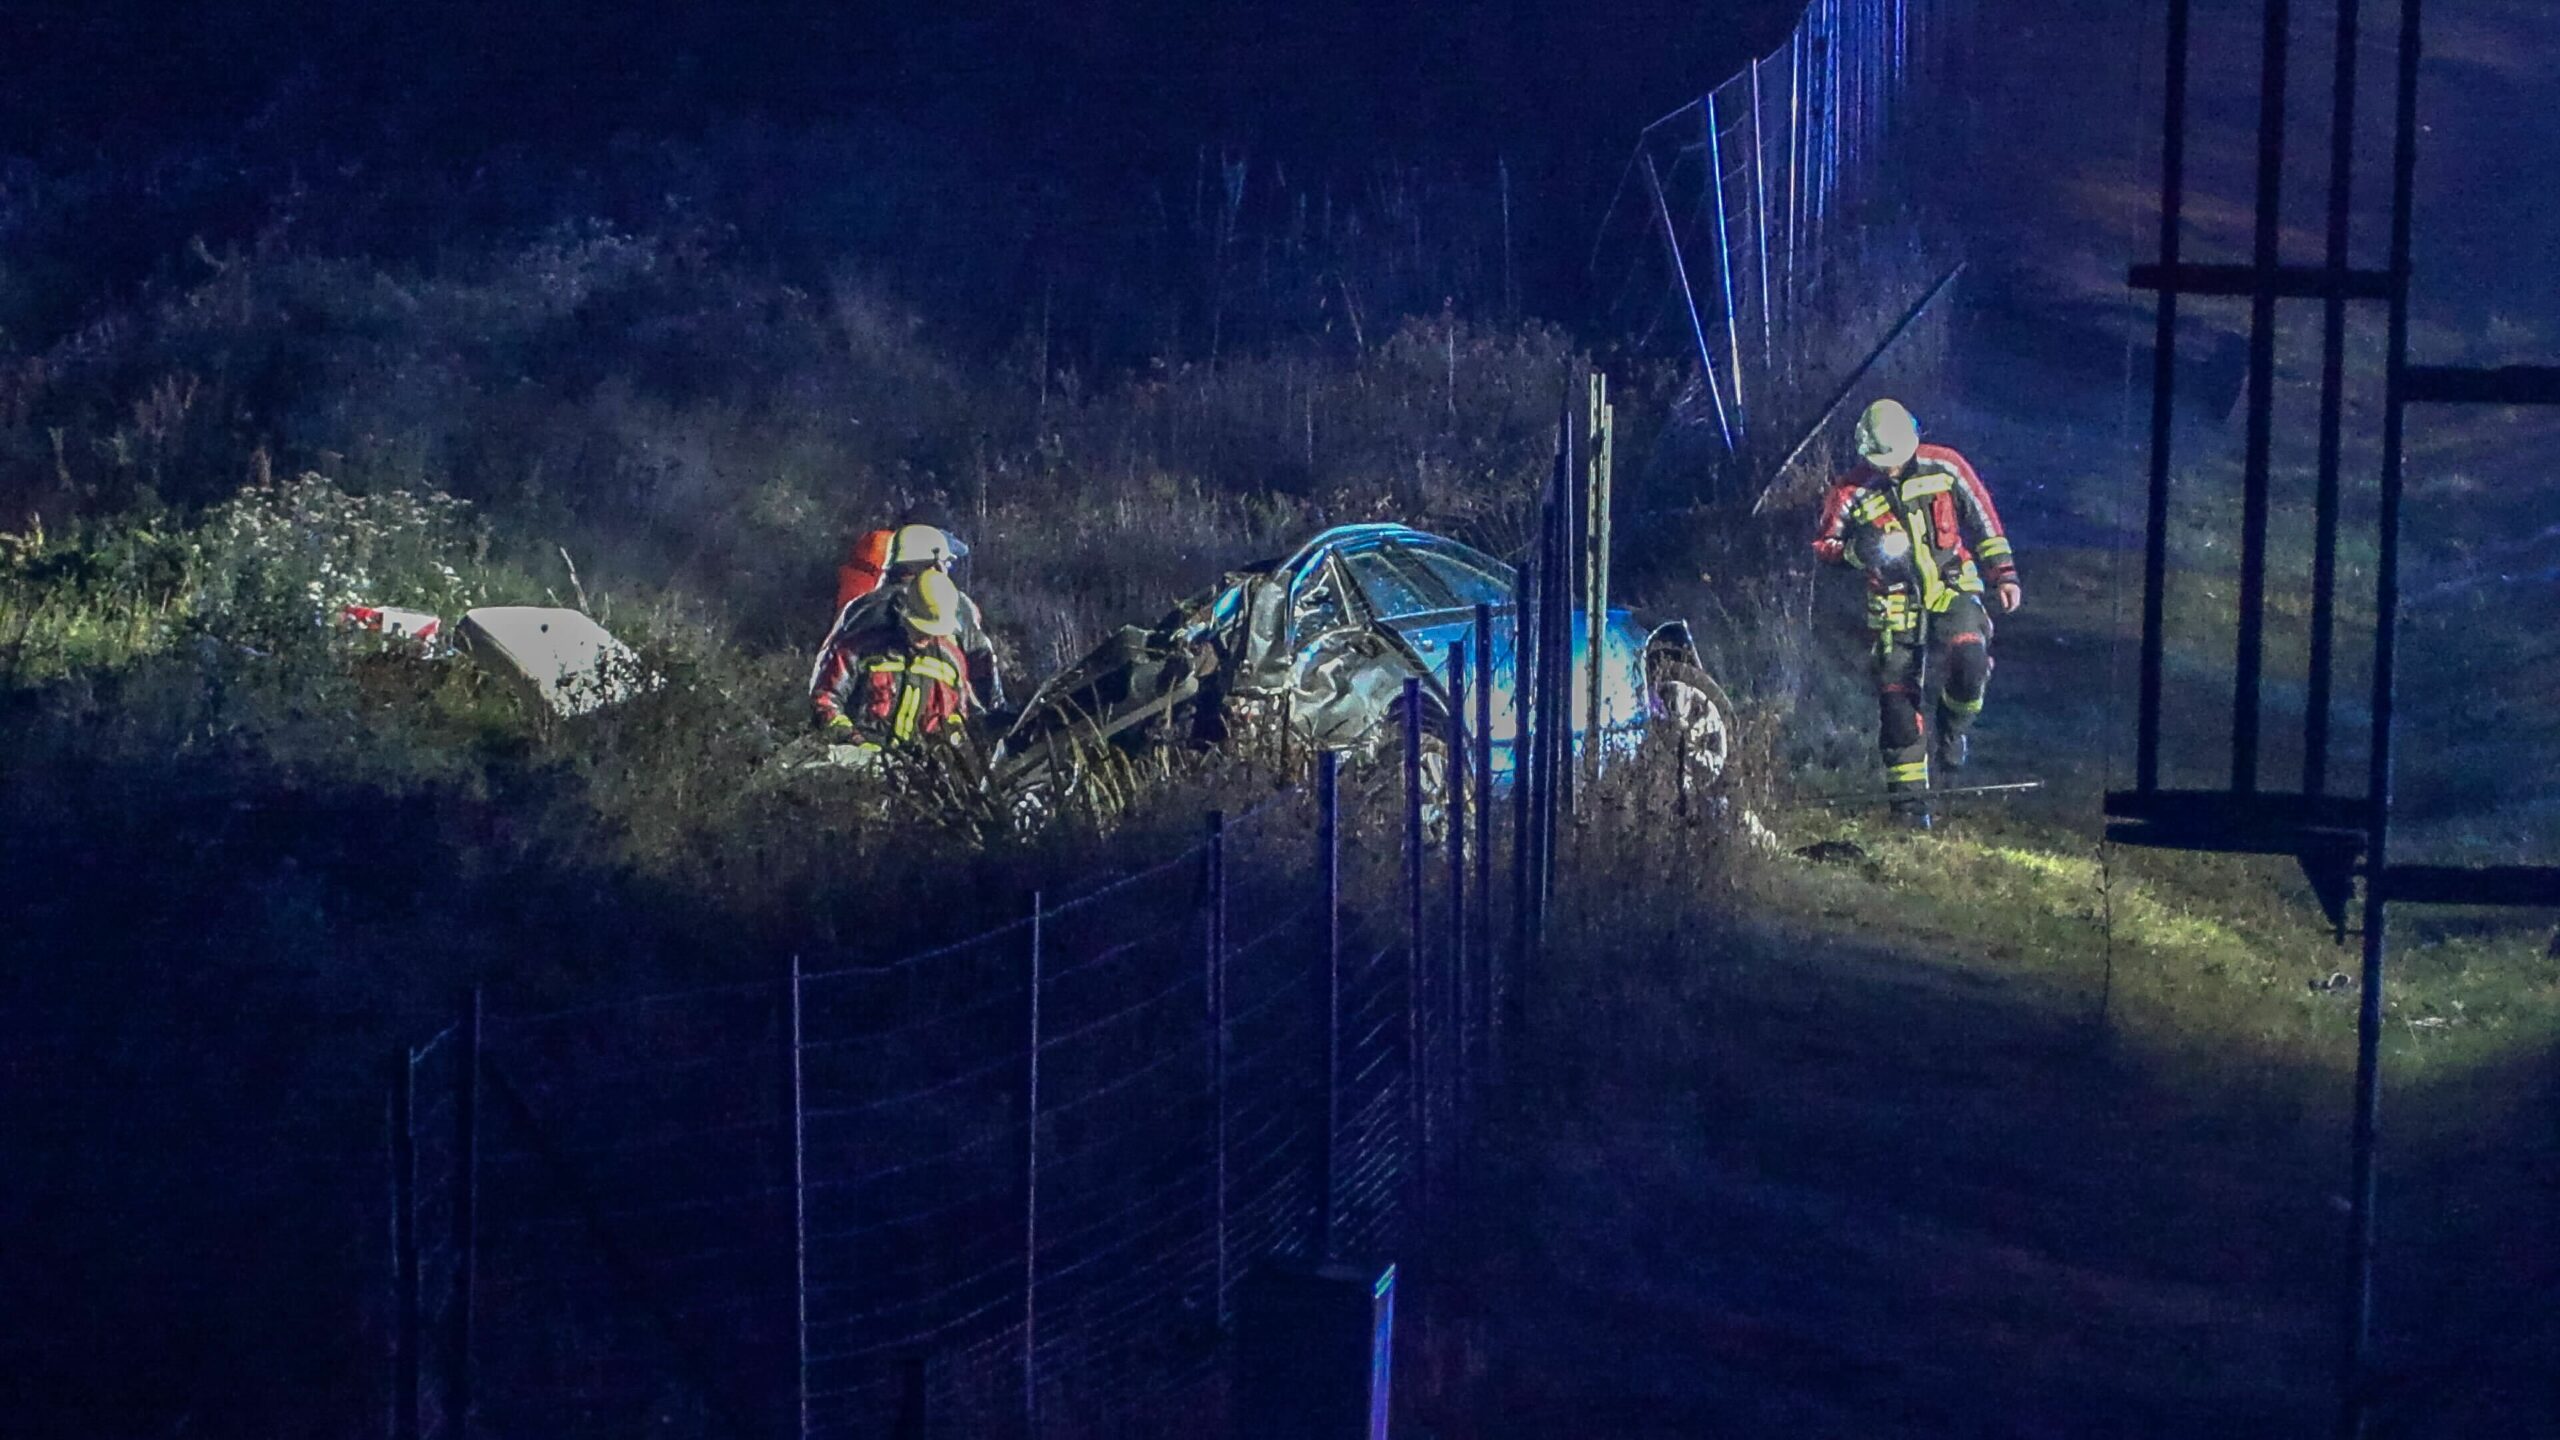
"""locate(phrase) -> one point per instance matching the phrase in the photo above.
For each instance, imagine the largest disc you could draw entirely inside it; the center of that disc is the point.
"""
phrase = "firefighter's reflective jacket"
(1924, 535)
(981, 678)
(891, 685)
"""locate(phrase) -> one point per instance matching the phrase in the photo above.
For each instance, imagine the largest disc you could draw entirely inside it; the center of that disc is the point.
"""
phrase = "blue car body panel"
(1431, 630)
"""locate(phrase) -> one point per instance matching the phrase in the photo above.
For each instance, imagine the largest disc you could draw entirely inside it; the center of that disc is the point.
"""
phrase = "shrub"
(287, 556)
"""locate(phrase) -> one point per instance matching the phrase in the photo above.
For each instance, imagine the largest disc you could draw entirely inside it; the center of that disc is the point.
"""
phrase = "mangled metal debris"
(1315, 650)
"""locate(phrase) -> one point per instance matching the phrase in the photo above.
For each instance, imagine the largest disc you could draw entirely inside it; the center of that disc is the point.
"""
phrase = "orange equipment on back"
(865, 563)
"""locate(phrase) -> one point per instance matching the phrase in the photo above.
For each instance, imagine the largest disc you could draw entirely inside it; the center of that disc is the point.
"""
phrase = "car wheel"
(1699, 716)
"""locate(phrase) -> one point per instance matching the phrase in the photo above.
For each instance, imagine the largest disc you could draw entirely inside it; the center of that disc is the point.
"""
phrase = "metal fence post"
(406, 1376)
(1454, 974)
(1592, 627)
(1760, 221)
(1724, 266)
(1536, 691)
(1524, 783)
(1603, 516)
(799, 1205)
(466, 1210)
(1031, 1187)
(1416, 850)
(1483, 768)
(1217, 993)
(2364, 1197)
(1556, 791)
(1795, 159)
(1555, 669)
(1572, 482)
(1555, 698)
(1329, 841)
(1837, 104)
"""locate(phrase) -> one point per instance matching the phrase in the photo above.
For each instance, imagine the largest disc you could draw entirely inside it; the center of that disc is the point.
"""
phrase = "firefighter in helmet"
(916, 623)
(899, 677)
(883, 581)
(1920, 523)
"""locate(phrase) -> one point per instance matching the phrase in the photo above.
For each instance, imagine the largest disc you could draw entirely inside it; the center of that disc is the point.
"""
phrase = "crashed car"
(1315, 650)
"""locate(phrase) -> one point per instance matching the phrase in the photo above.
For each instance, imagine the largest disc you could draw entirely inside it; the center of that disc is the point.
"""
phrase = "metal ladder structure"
(2339, 839)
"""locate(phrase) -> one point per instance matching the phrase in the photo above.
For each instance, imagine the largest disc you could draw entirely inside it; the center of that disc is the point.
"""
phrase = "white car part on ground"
(563, 659)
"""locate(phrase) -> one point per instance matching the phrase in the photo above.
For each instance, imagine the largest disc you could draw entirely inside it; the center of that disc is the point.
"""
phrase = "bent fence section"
(1002, 1188)
(1743, 238)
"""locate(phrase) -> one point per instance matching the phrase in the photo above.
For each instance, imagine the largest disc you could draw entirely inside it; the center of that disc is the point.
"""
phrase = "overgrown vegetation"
(640, 424)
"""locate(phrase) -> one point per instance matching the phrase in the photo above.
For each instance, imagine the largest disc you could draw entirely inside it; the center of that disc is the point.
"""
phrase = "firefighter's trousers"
(1959, 667)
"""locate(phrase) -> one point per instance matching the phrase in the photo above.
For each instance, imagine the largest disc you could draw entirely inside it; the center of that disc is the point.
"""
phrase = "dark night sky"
(404, 128)
(1327, 75)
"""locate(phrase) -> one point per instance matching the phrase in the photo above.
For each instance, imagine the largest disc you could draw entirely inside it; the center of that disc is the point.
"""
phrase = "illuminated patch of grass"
(2222, 959)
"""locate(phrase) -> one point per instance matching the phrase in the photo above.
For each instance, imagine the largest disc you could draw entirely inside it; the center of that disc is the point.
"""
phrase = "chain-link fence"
(1004, 1187)
(1741, 239)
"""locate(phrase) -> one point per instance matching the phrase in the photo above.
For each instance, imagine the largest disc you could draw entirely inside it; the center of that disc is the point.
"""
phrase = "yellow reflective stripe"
(1870, 508)
(1927, 483)
(1924, 558)
(1994, 547)
(910, 704)
(1961, 707)
(931, 667)
(1968, 582)
(1915, 773)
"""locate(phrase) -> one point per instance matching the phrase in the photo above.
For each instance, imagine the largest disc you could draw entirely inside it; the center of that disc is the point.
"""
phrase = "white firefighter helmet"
(1887, 435)
(924, 545)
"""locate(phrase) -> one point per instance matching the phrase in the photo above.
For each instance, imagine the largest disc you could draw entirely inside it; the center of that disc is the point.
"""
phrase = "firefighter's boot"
(1952, 750)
